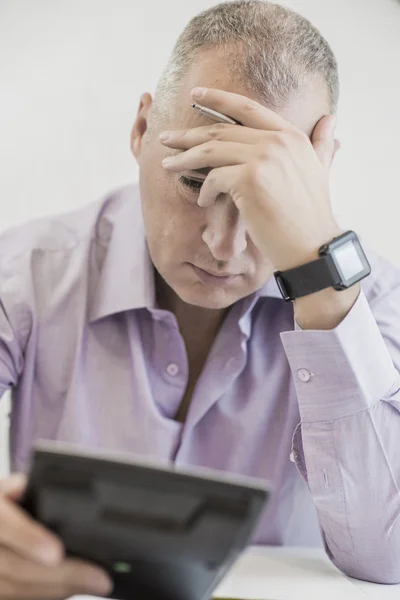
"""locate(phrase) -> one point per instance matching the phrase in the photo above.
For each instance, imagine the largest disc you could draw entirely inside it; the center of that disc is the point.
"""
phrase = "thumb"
(323, 139)
(13, 487)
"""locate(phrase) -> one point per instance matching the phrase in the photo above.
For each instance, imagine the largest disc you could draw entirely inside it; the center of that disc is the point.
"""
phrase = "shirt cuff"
(340, 372)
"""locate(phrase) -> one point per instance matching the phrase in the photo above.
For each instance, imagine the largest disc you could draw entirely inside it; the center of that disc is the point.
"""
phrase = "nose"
(225, 233)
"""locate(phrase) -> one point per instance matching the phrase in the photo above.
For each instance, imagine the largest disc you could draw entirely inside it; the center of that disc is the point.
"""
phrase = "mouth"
(216, 279)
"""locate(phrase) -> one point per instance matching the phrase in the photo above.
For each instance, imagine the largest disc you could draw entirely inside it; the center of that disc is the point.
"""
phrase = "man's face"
(189, 244)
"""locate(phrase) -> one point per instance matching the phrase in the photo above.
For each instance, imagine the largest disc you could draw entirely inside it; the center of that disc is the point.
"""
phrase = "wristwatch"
(341, 264)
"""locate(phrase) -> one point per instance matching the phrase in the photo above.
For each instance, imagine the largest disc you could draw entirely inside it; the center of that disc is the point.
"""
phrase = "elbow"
(387, 577)
(384, 570)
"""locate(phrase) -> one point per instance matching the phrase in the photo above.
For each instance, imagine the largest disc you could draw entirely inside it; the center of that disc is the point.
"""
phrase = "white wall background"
(72, 71)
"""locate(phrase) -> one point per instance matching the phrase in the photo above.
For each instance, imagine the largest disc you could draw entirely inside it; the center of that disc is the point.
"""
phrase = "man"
(168, 336)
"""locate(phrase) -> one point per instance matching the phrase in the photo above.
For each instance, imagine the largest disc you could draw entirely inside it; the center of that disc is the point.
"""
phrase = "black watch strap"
(307, 279)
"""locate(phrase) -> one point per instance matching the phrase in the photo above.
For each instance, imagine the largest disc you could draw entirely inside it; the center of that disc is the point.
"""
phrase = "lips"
(217, 274)
(215, 279)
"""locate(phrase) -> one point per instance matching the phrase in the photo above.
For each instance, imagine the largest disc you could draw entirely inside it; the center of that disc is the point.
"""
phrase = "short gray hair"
(273, 52)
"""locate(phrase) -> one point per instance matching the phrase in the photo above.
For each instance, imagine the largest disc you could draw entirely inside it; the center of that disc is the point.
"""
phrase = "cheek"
(172, 219)
(262, 267)
(181, 225)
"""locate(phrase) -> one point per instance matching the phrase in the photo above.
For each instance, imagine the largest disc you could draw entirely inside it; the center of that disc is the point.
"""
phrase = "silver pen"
(201, 174)
(215, 115)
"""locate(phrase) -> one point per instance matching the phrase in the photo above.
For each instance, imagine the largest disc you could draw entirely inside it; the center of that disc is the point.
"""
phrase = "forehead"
(213, 69)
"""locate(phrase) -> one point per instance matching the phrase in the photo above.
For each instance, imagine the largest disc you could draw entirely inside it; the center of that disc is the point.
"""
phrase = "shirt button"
(172, 369)
(304, 375)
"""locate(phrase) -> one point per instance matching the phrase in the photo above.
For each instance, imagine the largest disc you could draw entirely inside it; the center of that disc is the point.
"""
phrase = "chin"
(205, 298)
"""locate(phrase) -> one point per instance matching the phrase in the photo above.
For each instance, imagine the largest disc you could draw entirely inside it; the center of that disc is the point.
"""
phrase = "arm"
(347, 446)
(279, 183)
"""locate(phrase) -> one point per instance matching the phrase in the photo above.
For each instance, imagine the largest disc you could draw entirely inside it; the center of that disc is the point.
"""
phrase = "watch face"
(349, 259)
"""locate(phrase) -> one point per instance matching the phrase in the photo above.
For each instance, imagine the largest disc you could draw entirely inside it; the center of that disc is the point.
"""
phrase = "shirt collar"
(126, 279)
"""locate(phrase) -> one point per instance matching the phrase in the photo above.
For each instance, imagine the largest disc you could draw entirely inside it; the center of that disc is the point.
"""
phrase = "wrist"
(326, 309)
(307, 251)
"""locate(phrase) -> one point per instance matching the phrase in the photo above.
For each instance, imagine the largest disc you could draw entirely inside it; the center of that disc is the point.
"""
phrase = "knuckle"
(288, 138)
(280, 140)
(283, 139)
(216, 131)
(297, 135)
(208, 148)
(263, 153)
(263, 157)
(256, 171)
(251, 105)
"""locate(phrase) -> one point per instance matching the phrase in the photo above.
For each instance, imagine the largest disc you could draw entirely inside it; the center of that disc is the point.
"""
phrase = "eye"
(193, 184)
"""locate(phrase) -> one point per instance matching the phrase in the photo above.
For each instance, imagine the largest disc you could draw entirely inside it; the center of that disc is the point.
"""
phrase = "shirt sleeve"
(347, 444)
(15, 325)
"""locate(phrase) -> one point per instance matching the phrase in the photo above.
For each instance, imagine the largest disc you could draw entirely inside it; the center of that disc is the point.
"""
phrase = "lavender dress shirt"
(91, 360)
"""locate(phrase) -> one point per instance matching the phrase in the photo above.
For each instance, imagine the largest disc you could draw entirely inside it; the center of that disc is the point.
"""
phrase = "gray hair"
(272, 50)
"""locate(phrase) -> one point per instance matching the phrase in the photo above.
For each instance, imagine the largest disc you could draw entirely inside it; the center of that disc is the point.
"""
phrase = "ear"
(336, 149)
(323, 139)
(141, 124)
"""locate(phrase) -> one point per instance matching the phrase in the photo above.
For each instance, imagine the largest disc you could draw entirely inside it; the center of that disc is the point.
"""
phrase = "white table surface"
(294, 574)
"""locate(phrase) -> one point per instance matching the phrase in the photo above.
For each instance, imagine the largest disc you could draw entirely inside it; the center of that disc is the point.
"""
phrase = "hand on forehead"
(300, 113)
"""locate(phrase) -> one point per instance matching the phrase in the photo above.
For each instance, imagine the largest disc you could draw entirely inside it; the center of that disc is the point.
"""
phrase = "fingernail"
(164, 136)
(198, 92)
(167, 161)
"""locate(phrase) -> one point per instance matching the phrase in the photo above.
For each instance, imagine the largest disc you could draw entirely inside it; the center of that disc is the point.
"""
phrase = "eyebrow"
(205, 171)
(197, 174)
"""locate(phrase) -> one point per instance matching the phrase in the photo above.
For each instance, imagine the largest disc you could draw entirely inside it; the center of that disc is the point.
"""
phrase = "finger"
(27, 579)
(249, 112)
(323, 139)
(188, 138)
(22, 534)
(82, 577)
(210, 154)
(219, 181)
(14, 486)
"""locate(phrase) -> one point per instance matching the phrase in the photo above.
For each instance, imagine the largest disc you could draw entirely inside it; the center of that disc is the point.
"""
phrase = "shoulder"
(47, 261)
(65, 231)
